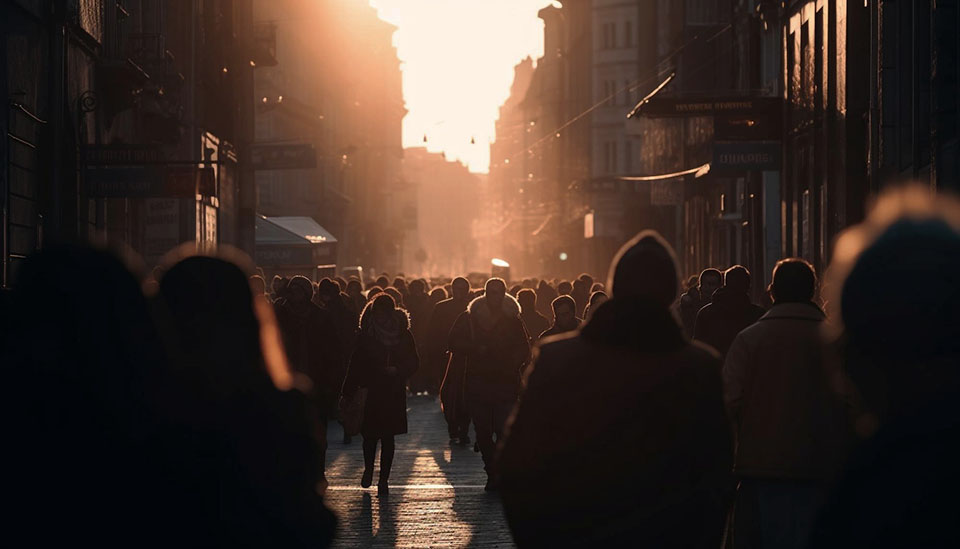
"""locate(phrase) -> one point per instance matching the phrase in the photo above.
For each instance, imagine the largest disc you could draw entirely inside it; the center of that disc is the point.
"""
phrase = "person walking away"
(313, 349)
(545, 296)
(385, 358)
(339, 307)
(564, 317)
(534, 322)
(788, 423)
(447, 370)
(597, 299)
(730, 311)
(895, 307)
(417, 304)
(698, 297)
(491, 338)
(580, 295)
(636, 454)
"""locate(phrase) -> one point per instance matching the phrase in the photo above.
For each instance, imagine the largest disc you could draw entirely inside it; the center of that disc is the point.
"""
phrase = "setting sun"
(458, 58)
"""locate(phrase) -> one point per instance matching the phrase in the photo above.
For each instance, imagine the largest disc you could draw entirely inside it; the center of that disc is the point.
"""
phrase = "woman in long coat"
(385, 358)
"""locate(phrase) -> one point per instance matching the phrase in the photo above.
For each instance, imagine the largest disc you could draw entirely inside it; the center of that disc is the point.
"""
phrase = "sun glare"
(457, 60)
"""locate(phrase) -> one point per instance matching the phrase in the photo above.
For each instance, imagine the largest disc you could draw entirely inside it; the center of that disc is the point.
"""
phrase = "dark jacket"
(449, 373)
(535, 324)
(385, 413)
(494, 349)
(690, 304)
(637, 453)
(314, 350)
(787, 420)
(720, 321)
(559, 330)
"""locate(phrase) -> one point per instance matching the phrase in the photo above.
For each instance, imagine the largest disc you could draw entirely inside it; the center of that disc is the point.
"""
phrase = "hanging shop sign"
(122, 155)
(283, 157)
(661, 107)
(746, 156)
(149, 182)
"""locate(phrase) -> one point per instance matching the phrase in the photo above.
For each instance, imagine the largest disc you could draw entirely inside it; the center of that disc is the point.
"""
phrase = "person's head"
(328, 291)
(418, 286)
(515, 289)
(737, 279)
(580, 287)
(597, 287)
(597, 299)
(354, 287)
(543, 286)
(437, 295)
(564, 311)
(395, 294)
(794, 281)
(257, 285)
(587, 279)
(527, 299)
(495, 290)
(382, 306)
(690, 283)
(564, 288)
(460, 288)
(382, 281)
(300, 290)
(645, 268)
(277, 284)
(400, 284)
(341, 283)
(710, 281)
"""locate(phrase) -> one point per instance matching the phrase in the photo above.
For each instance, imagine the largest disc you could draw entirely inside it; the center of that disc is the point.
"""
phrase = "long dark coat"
(719, 322)
(385, 413)
(620, 438)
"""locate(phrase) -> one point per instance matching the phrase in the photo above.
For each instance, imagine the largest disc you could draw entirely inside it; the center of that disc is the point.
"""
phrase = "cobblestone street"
(436, 491)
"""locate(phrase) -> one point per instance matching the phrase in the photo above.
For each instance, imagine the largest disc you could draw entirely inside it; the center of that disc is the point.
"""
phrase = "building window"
(609, 35)
(628, 35)
(610, 156)
(628, 157)
(627, 94)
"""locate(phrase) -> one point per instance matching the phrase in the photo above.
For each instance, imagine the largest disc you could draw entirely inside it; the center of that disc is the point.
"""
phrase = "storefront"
(289, 246)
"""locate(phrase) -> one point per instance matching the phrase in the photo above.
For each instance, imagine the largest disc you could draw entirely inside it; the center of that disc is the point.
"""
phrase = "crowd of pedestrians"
(194, 403)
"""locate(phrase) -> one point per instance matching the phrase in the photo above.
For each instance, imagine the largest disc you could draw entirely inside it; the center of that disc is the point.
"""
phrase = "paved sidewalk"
(436, 491)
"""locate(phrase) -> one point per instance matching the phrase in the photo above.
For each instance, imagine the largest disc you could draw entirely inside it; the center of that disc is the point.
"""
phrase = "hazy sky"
(458, 58)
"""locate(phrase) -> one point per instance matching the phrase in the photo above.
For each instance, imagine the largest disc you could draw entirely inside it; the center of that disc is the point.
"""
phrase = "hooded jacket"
(385, 412)
(495, 347)
(620, 437)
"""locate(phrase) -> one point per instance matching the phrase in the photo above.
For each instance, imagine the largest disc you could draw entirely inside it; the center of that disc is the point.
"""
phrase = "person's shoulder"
(558, 346)
(698, 353)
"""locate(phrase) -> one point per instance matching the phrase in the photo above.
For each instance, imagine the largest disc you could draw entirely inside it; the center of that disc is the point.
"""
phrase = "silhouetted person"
(400, 284)
(417, 304)
(450, 369)
(597, 299)
(490, 335)
(787, 420)
(620, 438)
(355, 292)
(81, 358)
(313, 349)
(564, 288)
(564, 317)
(897, 299)
(258, 286)
(698, 297)
(385, 358)
(730, 311)
(437, 295)
(243, 453)
(534, 322)
(580, 295)
(545, 296)
(396, 295)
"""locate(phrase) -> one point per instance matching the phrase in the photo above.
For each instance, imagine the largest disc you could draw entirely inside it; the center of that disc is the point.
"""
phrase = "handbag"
(351, 411)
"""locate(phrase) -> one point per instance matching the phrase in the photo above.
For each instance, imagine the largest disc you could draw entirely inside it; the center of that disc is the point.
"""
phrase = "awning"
(293, 241)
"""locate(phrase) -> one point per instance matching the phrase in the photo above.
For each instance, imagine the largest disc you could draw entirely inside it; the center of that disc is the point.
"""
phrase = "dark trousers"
(775, 513)
(489, 414)
(387, 448)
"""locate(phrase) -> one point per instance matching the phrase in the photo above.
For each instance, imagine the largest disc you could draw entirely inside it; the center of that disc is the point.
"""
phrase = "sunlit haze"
(458, 58)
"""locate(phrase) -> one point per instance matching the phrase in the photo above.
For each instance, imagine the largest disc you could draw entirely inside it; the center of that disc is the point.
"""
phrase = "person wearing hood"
(449, 370)
(417, 304)
(730, 312)
(385, 358)
(564, 317)
(597, 298)
(313, 349)
(649, 464)
(491, 338)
